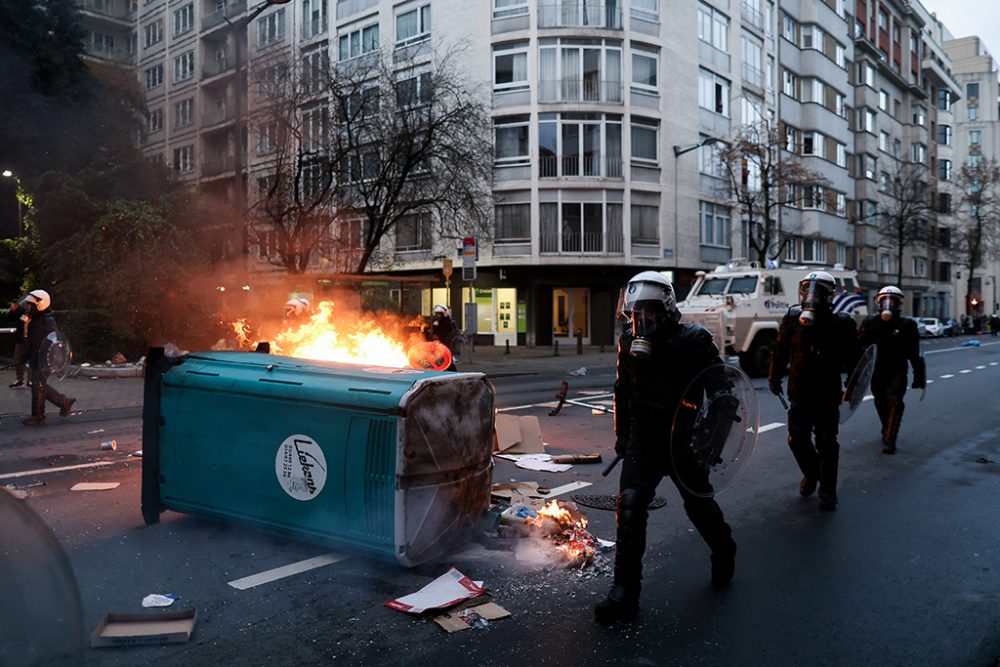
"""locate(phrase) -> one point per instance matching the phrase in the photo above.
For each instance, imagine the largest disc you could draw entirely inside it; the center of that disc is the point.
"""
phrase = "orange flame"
(570, 528)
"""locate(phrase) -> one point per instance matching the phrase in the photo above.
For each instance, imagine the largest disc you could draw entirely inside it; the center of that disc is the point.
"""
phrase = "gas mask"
(646, 305)
(890, 305)
(813, 296)
(647, 318)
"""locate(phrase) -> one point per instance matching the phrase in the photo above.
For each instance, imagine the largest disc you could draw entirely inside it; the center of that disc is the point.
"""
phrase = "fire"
(354, 338)
(569, 530)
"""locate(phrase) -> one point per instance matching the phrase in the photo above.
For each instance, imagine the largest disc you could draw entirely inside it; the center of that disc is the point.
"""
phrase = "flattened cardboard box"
(165, 627)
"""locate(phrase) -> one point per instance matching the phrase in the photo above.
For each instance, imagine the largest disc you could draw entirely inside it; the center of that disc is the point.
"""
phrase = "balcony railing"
(348, 7)
(313, 27)
(572, 15)
(753, 75)
(752, 15)
(116, 9)
(576, 90)
(219, 165)
(215, 116)
(215, 67)
(229, 11)
(554, 166)
(586, 243)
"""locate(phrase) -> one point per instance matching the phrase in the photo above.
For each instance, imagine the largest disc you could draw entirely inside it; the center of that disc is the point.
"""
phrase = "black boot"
(723, 565)
(622, 603)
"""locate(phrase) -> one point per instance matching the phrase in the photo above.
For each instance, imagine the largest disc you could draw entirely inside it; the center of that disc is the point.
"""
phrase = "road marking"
(979, 368)
(930, 382)
(286, 571)
(594, 393)
(566, 488)
(945, 377)
(965, 371)
(957, 349)
(770, 427)
(515, 407)
(869, 397)
(43, 471)
(993, 363)
(602, 408)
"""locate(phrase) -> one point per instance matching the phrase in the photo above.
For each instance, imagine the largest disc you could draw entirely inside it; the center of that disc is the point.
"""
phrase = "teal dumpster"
(394, 463)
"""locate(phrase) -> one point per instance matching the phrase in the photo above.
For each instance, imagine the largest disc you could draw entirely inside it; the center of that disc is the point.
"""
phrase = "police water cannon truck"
(742, 304)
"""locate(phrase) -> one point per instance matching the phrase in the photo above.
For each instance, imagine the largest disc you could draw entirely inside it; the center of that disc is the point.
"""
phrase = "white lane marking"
(993, 363)
(945, 377)
(268, 576)
(965, 371)
(566, 488)
(43, 471)
(594, 393)
(958, 349)
(930, 382)
(589, 405)
(869, 397)
(979, 368)
(516, 407)
(770, 427)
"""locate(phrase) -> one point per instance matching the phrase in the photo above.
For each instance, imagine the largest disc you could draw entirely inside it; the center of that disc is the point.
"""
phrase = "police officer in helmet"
(37, 306)
(897, 342)
(658, 357)
(816, 346)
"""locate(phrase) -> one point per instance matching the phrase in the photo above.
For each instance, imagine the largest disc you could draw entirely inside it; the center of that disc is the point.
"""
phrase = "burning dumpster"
(391, 462)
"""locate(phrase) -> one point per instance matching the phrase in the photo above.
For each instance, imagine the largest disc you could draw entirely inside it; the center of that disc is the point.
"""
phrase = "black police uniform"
(896, 343)
(41, 325)
(647, 395)
(815, 356)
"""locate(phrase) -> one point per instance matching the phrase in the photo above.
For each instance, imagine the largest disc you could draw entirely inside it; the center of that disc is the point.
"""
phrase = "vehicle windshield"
(743, 285)
(713, 287)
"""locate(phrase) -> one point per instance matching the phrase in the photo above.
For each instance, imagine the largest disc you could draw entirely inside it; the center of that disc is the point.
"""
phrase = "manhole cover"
(610, 502)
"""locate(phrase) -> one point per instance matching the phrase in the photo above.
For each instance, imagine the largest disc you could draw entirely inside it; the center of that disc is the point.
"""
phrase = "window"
(413, 232)
(512, 140)
(503, 8)
(812, 197)
(883, 20)
(315, 123)
(813, 90)
(883, 141)
(571, 145)
(840, 204)
(883, 100)
(715, 224)
(789, 84)
(644, 67)
(184, 112)
(840, 105)
(153, 76)
(812, 37)
(944, 99)
(944, 135)
(842, 254)
(713, 27)
(972, 92)
(975, 137)
(184, 19)
(840, 56)
(944, 170)
(944, 205)
(809, 141)
(315, 65)
(184, 66)
(713, 92)
(354, 43)
(919, 116)
(645, 224)
(866, 74)
(570, 71)
(867, 120)
(153, 33)
(920, 267)
(868, 166)
(644, 142)
(789, 28)
(510, 66)
(513, 223)
(414, 91)
(646, 9)
(267, 138)
(752, 52)
(154, 121)
(919, 152)
(271, 28)
(884, 265)
(791, 249)
(975, 161)
(313, 18)
(184, 159)
(710, 158)
(814, 251)
(841, 155)
(580, 227)
(413, 25)
(883, 182)
(101, 43)
(973, 113)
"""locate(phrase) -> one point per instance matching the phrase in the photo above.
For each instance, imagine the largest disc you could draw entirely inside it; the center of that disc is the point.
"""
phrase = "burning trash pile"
(352, 337)
(554, 535)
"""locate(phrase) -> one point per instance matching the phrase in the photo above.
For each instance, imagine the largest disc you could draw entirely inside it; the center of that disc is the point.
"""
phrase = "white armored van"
(743, 303)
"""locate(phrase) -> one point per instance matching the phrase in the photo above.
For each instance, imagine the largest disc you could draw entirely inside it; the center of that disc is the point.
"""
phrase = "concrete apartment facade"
(598, 109)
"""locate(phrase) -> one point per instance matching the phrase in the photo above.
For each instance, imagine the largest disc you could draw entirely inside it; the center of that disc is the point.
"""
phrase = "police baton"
(782, 399)
(611, 466)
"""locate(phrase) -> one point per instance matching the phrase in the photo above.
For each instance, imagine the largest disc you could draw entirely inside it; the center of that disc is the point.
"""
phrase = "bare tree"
(903, 209)
(976, 234)
(762, 176)
(373, 147)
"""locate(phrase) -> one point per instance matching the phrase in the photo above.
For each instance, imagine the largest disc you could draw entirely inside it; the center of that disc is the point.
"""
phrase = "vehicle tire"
(757, 359)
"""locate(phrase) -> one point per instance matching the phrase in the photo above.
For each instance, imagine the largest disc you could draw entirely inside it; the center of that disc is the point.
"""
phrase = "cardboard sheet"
(450, 588)
(519, 434)
(166, 627)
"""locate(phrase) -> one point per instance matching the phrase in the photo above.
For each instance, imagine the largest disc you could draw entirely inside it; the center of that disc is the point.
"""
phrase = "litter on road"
(94, 486)
(450, 588)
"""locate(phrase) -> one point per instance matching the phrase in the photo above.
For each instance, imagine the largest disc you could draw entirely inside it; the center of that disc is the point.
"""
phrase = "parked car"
(921, 327)
(952, 327)
(934, 326)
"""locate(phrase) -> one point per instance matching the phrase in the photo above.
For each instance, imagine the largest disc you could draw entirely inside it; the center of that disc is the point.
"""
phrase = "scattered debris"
(94, 486)
(537, 462)
(137, 453)
(20, 494)
(158, 600)
(478, 615)
(165, 627)
(983, 459)
(95, 431)
(970, 343)
(610, 502)
(519, 434)
(576, 458)
(579, 372)
(561, 395)
(448, 589)
(119, 358)
(109, 445)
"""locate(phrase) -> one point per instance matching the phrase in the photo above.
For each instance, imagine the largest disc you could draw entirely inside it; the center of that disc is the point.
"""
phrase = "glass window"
(358, 41)
(571, 72)
(644, 141)
(184, 19)
(313, 18)
(502, 8)
(713, 92)
(715, 225)
(973, 113)
(413, 25)
(413, 232)
(646, 9)
(645, 224)
(713, 27)
(944, 169)
(510, 66)
(944, 99)
(644, 68)
(513, 223)
(512, 145)
(975, 137)
(971, 92)
(271, 28)
(944, 135)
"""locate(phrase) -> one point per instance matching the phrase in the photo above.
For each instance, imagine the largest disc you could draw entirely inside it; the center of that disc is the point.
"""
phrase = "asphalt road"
(906, 572)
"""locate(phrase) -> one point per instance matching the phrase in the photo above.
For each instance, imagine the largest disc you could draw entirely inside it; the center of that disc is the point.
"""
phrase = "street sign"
(446, 269)
(469, 255)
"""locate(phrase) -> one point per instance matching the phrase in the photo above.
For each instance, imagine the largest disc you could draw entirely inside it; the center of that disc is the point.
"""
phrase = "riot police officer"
(658, 357)
(37, 306)
(897, 342)
(816, 345)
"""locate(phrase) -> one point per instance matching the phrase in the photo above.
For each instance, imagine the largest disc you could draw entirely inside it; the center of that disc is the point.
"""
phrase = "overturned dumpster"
(394, 463)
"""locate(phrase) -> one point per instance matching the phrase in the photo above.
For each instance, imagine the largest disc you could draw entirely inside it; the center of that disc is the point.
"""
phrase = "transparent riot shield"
(56, 355)
(431, 355)
(857, 385)
(715, 430)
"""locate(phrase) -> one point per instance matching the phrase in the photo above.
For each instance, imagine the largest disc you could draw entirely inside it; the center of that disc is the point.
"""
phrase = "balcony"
(597, 166)
(753, 76)
(219, 165)
(237, 8)
(215, 67)
(587, 243)
(576, 90)
(215, 116)
(110, 9)
(348, 7)
(752, 15)
(573, 15)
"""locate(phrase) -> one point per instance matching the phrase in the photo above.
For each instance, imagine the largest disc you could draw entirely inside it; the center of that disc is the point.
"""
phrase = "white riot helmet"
(815, 293)
(647, 303)
(440, 309)
(36, 301)
(890, 301)
(297, 307)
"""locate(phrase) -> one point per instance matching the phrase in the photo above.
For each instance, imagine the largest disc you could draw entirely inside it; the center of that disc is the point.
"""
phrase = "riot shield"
(857, 385)
(55, 355)
(429, 356)
(715, 430)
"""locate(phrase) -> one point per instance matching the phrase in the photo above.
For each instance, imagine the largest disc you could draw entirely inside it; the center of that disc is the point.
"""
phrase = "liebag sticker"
(300, 467)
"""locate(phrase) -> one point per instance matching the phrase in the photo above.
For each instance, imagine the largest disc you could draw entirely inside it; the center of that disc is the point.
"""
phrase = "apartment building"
(110, 27)
(975, 137)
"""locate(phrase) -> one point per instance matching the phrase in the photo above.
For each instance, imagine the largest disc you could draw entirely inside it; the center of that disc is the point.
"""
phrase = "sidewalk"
(97, 389)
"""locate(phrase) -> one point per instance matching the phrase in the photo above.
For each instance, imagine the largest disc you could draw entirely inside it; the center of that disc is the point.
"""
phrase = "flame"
(348, 337)
(569, 529)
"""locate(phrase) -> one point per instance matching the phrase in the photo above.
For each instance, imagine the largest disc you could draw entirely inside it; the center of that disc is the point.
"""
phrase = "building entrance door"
(571, 313)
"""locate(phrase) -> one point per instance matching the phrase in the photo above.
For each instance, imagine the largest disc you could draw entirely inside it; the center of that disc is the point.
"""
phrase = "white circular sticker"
(300, 467)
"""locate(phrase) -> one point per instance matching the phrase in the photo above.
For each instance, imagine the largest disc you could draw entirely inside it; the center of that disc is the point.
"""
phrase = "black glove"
(919, 374)
(775, 385)
(621, 444)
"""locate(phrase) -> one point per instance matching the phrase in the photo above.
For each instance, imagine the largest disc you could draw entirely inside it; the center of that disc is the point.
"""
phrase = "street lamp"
(679, 151)
(237, 29)
(7, 173)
